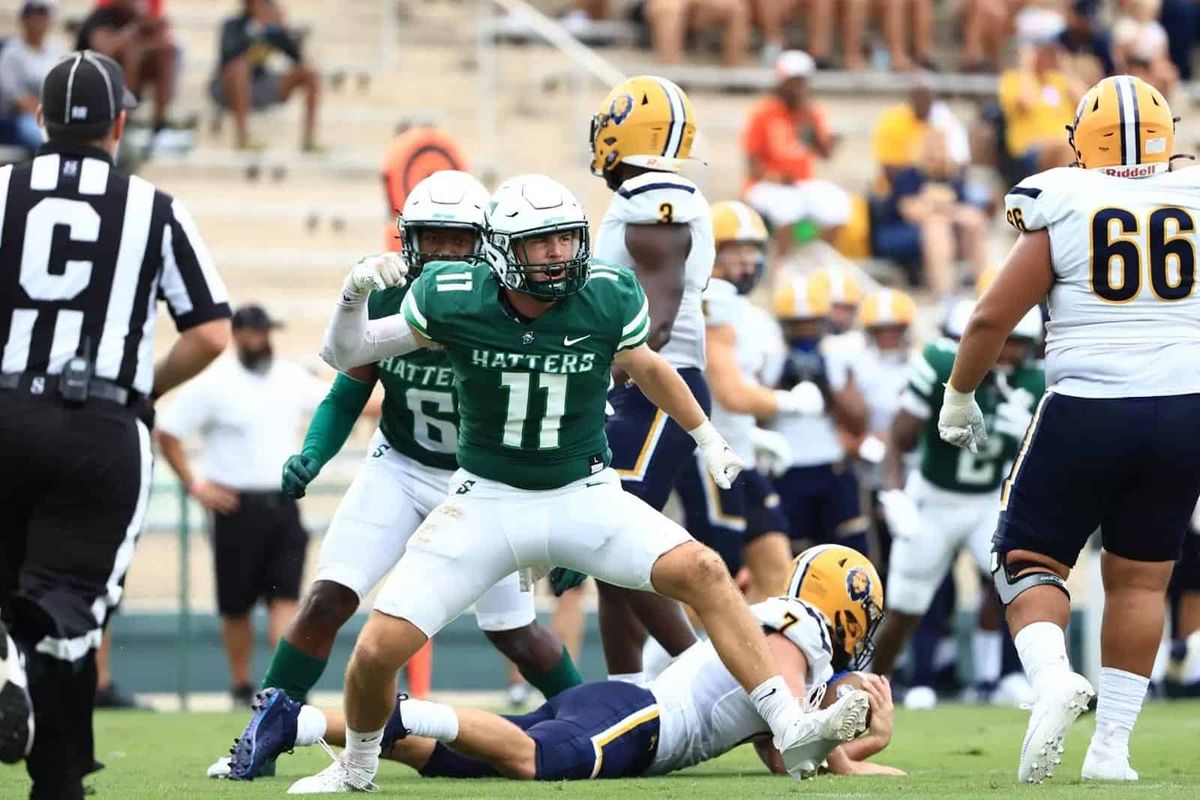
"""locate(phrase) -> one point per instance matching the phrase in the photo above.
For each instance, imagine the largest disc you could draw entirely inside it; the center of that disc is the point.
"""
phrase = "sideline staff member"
(249, 411)
(84, 253)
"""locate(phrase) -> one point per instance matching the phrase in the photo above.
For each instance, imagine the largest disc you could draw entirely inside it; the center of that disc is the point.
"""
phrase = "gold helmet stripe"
(1127, 108)
(678, 118)
(745, 228)
(801, 568)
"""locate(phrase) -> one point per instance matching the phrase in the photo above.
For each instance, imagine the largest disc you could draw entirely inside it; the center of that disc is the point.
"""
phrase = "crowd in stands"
(138, 35)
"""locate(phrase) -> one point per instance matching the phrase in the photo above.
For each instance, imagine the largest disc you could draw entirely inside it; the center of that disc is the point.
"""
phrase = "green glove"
(298, 472)
(563, 580)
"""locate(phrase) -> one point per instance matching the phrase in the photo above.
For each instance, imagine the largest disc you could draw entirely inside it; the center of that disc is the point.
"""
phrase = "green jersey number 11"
(519, 386)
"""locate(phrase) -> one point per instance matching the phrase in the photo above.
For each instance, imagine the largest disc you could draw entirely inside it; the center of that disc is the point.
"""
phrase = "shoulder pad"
(1037, 202)
(720, 301)
(801, 624)
(658, 197)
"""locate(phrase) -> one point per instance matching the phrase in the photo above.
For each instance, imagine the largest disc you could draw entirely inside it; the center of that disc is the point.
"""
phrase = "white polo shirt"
(249, 422)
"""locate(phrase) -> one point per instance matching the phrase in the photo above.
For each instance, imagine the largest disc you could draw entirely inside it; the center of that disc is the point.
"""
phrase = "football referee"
(85, 253)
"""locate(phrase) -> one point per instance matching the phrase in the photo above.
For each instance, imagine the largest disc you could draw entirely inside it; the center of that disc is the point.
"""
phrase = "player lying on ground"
(405, 475)
(532, 343)
(1115, 443)
(694, 711)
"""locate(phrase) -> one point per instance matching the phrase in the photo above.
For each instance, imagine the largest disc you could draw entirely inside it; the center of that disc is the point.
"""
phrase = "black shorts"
(1128, 466)
(76, 481)
(259, 552)
(822, 506)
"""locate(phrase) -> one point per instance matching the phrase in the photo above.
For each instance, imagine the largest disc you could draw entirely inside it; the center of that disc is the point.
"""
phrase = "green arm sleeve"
(335, 418)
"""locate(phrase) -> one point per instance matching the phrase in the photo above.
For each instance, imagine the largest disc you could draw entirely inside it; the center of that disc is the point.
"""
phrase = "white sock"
(362, 749)
(310, 726)
(987, 655)
(655, 658)
(1120, 699)
(1043, 651)
(776, 705)
(431, 720)
(636, 678)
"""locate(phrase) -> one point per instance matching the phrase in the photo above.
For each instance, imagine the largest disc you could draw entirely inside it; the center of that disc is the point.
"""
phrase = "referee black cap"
(82, 94)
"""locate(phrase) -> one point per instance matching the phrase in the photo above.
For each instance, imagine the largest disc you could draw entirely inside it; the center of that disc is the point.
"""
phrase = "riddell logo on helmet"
(1132, 170)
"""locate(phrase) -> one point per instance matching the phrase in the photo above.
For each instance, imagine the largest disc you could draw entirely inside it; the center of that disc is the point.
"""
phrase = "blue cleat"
(394, 731)
(270, 732)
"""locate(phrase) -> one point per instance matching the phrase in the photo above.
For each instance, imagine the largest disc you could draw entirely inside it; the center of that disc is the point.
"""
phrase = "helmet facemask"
(416, 256)
(847, 626)
(547, 280)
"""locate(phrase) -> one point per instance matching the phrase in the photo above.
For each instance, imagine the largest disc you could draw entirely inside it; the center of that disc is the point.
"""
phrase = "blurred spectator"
(1087, 43)
(771, 17)
(244, 83)
(248, 409)
(1181, 18)
(582, 13)
(785, 134)
(987, 28)
(898, 17)
(1140, 45)
(1038, 98)
(854, 25)
(24, 61)
(127, 32)
(926, 214)
(900, 132)
(671, 21)
(414, 154)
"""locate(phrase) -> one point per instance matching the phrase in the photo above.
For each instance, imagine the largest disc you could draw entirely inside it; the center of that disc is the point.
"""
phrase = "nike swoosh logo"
(590, 485)
(568, 341)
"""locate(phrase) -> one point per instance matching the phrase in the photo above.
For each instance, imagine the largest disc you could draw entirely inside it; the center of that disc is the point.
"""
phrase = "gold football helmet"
(645, 122)
(801, 298)
(843, 285)
(734, 221)
(887, 307)
(1124, 126)
(843, 585)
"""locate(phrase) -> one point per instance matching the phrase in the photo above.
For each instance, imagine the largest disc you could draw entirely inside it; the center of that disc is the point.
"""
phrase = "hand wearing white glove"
(803, 399)
(375, 273)
(903, 519)
(723, 464)
(960, 422)
(1013, 419)
(772, 452)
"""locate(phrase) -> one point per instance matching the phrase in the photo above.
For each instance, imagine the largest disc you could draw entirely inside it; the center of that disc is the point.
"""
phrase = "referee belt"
(98, 388)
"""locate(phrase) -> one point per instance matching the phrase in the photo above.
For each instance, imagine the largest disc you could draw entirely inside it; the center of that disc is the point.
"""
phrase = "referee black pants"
(75, 481)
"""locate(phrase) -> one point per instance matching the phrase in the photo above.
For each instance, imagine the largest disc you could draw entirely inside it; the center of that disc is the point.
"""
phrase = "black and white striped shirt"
(85, 253)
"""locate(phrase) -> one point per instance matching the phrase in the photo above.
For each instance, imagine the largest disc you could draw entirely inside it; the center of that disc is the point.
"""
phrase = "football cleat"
(394, 731)
(340, 777)
(814, 735)
(920, 698)
(270, 732)
(220, 768)
(1107, 759)
(1050, 719)
(16, 707)
(1014, 691)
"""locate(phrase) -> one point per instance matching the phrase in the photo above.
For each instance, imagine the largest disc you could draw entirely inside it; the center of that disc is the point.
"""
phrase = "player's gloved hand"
(803, 399)
(903, 519)
(961, 422)
(298, 472)
(563, 580)
(872, 449)
(376, 272)
(723, 464)
(771, 451)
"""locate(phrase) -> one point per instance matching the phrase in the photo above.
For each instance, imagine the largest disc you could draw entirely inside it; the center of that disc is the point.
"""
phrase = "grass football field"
(954, 752)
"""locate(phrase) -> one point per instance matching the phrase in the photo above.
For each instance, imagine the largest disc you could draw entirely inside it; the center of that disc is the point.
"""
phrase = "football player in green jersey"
(405, 475)
(532, 344)
(952, 501)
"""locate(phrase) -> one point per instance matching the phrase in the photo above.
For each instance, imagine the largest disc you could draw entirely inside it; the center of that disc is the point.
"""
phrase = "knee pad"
(1010, 583)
